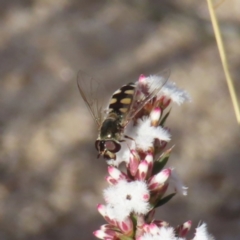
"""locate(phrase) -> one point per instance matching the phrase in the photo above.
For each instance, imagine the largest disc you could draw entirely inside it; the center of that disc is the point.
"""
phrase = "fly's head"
(107, 148)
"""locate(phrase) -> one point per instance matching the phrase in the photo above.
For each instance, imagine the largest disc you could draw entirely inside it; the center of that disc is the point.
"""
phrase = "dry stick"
(224, 60)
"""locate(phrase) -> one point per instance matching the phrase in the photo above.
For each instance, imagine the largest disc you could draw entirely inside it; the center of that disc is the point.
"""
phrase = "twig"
(224, 60)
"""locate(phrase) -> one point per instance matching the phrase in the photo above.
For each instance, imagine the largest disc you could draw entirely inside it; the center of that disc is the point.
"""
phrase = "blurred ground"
(50, 180)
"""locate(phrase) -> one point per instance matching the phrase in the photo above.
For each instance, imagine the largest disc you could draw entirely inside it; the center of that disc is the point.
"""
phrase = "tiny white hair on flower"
(171, 91)
(145, 134)
(125, 197)
(164, 233)
(176, 183)
(202, 233)
(153, 82)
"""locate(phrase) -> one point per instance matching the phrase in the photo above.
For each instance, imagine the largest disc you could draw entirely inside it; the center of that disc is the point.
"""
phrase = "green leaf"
(159, 164)
(165, 200)
(164, 118)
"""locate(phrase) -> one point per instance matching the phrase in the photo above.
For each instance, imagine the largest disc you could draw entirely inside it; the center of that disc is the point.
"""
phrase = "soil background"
(50, 179)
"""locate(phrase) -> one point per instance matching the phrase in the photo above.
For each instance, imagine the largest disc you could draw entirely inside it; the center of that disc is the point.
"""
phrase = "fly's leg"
(129, 138)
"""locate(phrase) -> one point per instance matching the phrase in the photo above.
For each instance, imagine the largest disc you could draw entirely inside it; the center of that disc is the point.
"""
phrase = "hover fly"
(123, 106)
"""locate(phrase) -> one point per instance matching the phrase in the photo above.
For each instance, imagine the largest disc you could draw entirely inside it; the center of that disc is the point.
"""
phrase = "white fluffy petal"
(169, 89)
(177, 95)
(164, 233)
(145, 134)
(202, 233)
(154, 81)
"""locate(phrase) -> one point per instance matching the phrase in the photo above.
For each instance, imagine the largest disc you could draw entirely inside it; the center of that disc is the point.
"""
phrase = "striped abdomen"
(121, 100)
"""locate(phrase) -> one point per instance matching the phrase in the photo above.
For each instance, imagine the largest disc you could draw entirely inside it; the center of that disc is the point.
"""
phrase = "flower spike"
(138, 181)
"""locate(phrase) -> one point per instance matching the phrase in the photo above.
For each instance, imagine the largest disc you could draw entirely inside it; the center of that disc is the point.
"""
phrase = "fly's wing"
(90, 91)
(147, 92)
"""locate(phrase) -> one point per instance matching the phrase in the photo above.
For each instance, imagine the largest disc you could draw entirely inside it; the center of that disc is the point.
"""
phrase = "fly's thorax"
(110, 129)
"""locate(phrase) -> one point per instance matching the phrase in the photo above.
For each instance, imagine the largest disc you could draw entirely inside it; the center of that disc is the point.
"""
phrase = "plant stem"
(224, 60)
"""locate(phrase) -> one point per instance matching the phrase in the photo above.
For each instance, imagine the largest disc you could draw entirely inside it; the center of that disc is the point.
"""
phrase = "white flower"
(168, 89)
(145, 134)
(171, 91)
(154, 82)
(126, 197)
(202, 233)
(164, 233)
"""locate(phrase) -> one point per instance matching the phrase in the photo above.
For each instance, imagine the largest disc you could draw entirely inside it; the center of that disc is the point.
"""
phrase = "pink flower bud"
(161, 223)
(110, 221)
(133, 162)
(149, 160)
(116, 173)
(111, 180)
(142, 170)
(101, 209)
(153, 228)
(164, 102)
(183, 229)
(104, 234)
(141, 78)
(146, 228)
(107, 227)
(155, 116)
(158, 180)
(126, 226)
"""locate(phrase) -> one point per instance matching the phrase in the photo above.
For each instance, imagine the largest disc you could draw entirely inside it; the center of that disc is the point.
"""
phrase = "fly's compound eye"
(100, 145)
(112, 146)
